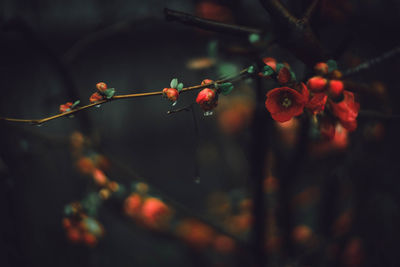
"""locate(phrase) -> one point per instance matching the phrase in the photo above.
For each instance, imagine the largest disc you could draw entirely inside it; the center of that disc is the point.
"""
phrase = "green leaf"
(293, 75)
(109, 93)
(174, 83)
(250, 70)
(279, 66)
(179, 87)
(213, 49)
(332, 65)
(227, 69)
(226, 88)
(267, 70)
(254, 37)
(75, 103)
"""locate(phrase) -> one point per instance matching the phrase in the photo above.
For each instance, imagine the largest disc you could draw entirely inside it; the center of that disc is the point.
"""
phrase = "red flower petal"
(346, 111)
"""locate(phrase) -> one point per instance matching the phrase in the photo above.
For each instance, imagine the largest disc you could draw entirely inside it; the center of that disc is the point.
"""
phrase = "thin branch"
(206, 24)
(295, 34)
(372, 62)
(310, 11)
(371, 114)
(119, 97)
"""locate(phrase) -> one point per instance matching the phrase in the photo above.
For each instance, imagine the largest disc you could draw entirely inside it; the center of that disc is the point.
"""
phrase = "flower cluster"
(146, 209)
(324, 90)
(80, 228)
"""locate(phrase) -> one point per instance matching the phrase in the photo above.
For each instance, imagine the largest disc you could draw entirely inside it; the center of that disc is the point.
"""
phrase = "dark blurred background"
(52, 52)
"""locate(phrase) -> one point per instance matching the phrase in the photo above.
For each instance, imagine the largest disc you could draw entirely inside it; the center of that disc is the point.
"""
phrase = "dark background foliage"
(39, 71)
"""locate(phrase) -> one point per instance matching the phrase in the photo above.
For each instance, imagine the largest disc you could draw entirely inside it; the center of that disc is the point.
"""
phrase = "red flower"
(207, 99)
(66, 107)
(95, 97)
(317, 103)
(346, 111)
(171, 93)
(284, 103)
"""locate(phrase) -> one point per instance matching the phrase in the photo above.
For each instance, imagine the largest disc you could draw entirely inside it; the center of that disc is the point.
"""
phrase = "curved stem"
(119, 97)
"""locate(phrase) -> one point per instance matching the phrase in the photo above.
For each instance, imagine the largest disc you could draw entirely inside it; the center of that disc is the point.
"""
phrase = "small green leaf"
(226, 88)
(75, 103)
(250, 70)
(267, 70)
(174, 83)
(213, 49)
(332, 65)
(293, 75)
(179, 87)
(109, 93)
(254, 37)
(227, 69)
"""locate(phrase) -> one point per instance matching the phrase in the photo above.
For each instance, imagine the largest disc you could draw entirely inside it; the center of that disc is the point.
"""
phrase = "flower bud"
(207, 99)
(317, 84)
(171, 93)
(321, 68)
(206, 81)
(270, 62)
(95, 97)
(101, 86)
(66, 107)
(335, 88)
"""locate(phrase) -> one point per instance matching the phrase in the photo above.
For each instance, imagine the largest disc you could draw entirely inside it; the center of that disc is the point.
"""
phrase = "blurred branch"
(206, 24)
(371, 114)
(310, 11)
(80, 45)
(177, 205)
(119, 97)
(295, 34)
(372, 62)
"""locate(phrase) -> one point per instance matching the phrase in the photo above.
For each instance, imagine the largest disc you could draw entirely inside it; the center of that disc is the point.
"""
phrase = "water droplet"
(208, 113)
(71, 116)
(39, 125)
(97, 106)
(174, 104)
(197, 179)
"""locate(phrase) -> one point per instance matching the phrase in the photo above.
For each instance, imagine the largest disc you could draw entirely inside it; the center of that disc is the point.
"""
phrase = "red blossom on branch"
(66, 107)
(284, 103)
(346, 111)
(171, 93)
(207, 99)
(95, 97)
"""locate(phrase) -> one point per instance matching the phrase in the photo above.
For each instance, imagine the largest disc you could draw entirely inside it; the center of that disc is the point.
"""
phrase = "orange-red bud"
(317, 84)
(101, 86)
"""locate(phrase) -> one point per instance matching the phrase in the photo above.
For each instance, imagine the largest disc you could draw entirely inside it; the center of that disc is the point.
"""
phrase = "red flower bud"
(270, 62)
(335, 87)
(101, 86)
(171, 93)
(317, 84)
(95, 97)
(207, 99)
(321, 68)
(206, 81)
(346, 111)
(65, 107)
(284, 75)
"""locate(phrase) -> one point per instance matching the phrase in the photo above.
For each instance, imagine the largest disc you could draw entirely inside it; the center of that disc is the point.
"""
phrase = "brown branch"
(372, 62)
(119, 97)
(310, 11)
(207, 24)
(295, 34)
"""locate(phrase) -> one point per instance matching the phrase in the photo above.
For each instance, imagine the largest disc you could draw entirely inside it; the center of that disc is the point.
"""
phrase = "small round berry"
(317, 84)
